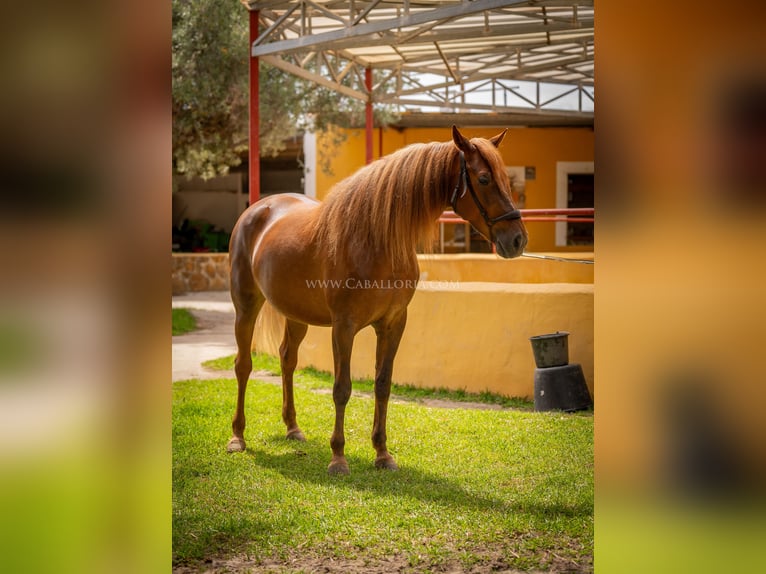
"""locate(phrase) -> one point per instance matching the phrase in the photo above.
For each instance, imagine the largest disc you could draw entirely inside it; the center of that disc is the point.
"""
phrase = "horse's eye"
(484, 179)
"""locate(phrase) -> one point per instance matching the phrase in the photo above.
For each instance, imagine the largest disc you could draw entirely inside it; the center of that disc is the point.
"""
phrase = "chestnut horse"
(349, 262)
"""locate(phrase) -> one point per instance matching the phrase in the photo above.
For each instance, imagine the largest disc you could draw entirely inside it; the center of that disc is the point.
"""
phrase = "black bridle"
(465, 180)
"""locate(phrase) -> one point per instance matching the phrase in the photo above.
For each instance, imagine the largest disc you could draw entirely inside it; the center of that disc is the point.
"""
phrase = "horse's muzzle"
(510, 243)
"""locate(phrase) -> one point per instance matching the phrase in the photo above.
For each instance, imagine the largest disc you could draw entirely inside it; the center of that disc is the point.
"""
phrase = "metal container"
(551, 350)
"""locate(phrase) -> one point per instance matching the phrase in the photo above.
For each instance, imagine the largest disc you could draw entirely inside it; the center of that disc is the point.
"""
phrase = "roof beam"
(354, 33)
(306, 75)
(274, 4)
(561, 3)
(480, 58)
(363, 13)
(324, 11)
(426, 36)
(278, 22)
(444, 103)
(502, 119)
(515, 73)
(446, 64)
(497, 30)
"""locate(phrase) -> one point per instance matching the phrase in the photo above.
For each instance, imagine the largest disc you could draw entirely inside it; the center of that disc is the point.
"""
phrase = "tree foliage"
(210, 92)
(209, 85)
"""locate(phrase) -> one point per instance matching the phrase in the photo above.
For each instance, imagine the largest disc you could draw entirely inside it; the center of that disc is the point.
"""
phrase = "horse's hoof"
(236, 445)
(296, 435)
(386, 463)
(338, 467)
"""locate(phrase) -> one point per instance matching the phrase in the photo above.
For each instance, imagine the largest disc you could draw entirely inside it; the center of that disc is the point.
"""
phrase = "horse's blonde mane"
(390, 206)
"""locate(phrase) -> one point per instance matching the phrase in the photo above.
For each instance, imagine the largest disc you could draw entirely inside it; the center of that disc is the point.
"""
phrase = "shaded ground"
(394, 565)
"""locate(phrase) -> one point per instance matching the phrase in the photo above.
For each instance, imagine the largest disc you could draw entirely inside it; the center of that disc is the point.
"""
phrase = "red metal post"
(255, 119)
(368, 114)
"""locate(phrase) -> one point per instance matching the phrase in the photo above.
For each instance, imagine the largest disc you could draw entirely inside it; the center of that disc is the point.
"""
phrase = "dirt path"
(213, 339)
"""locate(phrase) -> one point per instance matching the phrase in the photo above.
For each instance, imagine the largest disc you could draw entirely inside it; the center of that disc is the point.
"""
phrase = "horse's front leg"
(389, 334)
(342, 342)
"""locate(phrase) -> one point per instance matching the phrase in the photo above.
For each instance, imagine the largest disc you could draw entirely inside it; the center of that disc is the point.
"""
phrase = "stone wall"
(200, 272)
(210, 271)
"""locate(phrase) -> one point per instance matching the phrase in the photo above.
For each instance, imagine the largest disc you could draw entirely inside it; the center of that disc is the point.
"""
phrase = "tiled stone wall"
(200, 272)
(210, 271)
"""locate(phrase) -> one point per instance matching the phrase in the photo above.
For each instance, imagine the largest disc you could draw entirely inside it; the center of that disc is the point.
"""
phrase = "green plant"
(183, 321)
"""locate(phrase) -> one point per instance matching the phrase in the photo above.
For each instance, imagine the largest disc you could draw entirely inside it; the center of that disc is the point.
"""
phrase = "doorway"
(574, 188)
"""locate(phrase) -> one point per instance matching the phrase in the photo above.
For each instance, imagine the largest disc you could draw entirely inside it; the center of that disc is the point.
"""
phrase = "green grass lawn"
(315, 379)
(508, 489)
(183, 321)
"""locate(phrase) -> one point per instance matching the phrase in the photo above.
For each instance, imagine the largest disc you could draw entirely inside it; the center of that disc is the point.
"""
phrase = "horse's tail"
(245, 293)
(269, 328)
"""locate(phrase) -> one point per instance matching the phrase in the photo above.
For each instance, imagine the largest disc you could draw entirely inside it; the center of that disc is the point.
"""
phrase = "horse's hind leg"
(247, 306)
(288, 358)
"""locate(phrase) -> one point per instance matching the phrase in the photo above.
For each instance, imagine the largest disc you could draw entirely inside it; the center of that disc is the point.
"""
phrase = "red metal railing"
(570, 215)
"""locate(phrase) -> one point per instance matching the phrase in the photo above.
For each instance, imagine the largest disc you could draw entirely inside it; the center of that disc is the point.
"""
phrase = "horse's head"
(482, 194)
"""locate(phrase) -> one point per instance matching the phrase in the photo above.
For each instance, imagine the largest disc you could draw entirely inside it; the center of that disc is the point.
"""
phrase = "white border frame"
(563, 169)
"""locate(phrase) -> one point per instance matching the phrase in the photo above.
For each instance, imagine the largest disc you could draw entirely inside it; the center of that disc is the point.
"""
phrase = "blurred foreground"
(84, 289)
(680, 307)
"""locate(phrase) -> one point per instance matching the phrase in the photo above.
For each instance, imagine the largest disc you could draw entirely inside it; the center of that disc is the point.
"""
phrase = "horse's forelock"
(494, 160)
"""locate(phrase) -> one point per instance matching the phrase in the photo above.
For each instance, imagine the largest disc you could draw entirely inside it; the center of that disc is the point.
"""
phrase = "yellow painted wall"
(465, 267)
(538, 147)
(475, 337)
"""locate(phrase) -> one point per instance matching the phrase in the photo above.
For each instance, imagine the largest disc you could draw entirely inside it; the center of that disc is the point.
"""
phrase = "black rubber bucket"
(561, 388)
(550, 350)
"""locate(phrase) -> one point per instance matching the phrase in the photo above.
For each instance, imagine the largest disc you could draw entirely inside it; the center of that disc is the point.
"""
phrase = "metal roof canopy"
(519, 62)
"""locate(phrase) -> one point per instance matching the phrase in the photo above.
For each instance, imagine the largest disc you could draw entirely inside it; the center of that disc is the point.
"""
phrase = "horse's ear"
(498, 138)
(460, 140)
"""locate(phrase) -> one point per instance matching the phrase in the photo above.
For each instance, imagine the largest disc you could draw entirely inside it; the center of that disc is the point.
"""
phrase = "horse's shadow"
(307, 462)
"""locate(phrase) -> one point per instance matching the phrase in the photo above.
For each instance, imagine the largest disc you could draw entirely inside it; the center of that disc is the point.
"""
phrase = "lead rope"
(553, 258)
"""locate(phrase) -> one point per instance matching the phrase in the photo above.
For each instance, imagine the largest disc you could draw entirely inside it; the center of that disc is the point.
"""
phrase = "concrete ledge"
(472, 336)
(490, 267)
